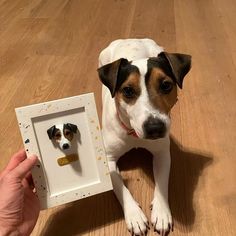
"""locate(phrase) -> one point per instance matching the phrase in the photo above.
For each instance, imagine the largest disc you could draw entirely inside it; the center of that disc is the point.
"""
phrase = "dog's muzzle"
(154, 128)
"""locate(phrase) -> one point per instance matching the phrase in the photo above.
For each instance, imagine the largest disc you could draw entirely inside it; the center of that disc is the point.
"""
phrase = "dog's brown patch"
(57, 135)
(163, 102)
(68, 134)
(132, 81)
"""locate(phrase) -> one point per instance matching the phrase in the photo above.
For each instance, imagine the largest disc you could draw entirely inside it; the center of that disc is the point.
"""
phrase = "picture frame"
(78, 171)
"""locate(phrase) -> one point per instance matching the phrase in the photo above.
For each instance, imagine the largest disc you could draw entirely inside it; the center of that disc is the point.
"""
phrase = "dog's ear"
(71, 127)
(180, 65)
(51, 131)
(109, 73)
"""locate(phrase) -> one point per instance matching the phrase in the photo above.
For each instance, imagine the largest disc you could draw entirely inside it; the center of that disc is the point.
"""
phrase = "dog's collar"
(129, 131)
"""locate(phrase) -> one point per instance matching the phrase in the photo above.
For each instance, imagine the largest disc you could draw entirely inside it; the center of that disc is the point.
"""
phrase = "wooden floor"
(49, 50)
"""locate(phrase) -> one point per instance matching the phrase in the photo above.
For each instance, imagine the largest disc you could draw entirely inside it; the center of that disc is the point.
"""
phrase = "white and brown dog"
(62, 134)
(140, 89)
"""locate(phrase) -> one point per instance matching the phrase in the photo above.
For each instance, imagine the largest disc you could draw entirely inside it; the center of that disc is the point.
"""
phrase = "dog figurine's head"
(62, 134)
(145, 90)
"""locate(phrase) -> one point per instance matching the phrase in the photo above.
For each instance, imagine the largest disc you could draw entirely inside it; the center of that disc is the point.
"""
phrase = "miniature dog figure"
(62, 134)
(140, 89)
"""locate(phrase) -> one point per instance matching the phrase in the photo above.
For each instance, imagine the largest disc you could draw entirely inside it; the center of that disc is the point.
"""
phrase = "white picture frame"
(89, 175)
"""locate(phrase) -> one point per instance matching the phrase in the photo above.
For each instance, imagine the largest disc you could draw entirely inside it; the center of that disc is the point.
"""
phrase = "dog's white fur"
(117, 142)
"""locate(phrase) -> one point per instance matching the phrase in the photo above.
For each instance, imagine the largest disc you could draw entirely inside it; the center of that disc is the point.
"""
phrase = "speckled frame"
(27, 115)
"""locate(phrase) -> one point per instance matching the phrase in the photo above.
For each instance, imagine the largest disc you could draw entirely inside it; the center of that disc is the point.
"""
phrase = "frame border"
(25, 116)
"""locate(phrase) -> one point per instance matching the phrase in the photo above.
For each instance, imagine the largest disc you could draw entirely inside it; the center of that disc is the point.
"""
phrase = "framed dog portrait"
(65, 135)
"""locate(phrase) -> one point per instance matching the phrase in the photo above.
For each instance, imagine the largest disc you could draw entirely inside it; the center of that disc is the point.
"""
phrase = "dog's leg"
(161, 215)
(136, 221)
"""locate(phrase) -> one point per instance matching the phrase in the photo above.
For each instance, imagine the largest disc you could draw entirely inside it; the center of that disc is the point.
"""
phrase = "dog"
(62, 134)
(140, 87)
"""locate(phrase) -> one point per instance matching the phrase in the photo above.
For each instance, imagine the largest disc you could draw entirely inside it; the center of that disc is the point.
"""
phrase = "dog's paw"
(161, 218)
(135, 219)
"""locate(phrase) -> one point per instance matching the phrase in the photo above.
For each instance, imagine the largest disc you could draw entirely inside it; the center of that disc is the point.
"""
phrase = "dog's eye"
(166, 86)
(128, 92)
(67, 133)
(58, 135)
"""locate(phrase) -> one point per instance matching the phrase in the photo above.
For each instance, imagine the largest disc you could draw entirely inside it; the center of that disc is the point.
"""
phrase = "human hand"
(19, 206)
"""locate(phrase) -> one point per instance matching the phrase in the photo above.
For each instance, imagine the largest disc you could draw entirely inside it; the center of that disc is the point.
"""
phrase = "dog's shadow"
(103, 209)
(186, 170)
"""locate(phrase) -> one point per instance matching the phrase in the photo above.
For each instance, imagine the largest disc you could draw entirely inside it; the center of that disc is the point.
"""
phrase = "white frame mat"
(86, 176)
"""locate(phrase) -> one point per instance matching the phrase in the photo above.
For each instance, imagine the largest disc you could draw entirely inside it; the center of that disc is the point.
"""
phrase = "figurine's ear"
(109, 73)
(71, 127)
(180, 65)
(51, 131)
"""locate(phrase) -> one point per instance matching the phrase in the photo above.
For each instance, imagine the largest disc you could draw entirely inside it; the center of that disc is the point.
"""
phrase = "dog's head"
(62, 134)
(145, 90)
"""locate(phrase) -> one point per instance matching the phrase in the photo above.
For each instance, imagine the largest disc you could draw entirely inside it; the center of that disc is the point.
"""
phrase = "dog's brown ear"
(180, 65)
(109, 74)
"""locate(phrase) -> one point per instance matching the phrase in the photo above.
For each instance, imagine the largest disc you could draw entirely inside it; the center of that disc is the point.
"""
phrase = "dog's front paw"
(161, 218)
(135, 219)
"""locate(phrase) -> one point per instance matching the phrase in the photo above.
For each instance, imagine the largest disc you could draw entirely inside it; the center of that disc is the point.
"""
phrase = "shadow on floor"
(186, 168)
(84, 215)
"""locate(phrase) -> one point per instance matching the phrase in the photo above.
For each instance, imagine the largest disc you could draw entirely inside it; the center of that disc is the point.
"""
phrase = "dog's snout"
(65, 146)
(154, 128)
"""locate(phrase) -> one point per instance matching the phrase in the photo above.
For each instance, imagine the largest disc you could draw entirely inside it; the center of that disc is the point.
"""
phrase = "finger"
(27, 186)
(29, 179)
(24, 167)
(15, 160)
(25, 183)
(26, 180)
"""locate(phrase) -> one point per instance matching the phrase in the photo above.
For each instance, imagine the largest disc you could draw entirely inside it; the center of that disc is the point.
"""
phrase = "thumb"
(24, 167)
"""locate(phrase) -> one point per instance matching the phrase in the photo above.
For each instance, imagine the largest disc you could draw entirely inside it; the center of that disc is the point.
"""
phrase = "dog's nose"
(154, 128)
(65, 146)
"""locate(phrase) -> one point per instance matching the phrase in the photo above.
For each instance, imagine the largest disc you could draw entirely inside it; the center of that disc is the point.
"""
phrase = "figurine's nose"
(65, 146)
